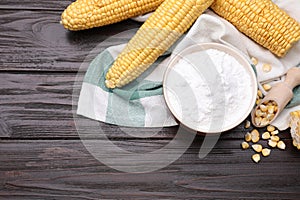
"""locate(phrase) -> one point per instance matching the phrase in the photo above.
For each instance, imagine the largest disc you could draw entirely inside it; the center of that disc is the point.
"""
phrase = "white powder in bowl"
(209, 90)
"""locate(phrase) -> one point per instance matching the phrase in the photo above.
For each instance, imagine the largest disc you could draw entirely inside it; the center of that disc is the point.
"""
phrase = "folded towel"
(141, 103)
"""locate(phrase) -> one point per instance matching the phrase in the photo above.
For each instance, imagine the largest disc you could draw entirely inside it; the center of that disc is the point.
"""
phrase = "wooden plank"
(28, 99)
(65, 170)
(40, 105)
(35, 105)
(34, 5)
(28, 41)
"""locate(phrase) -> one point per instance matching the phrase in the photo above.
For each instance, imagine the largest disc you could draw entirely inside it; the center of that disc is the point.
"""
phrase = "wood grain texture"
(72, 173)
(43, 105)
(42, 156)
(55, 5)
(34, 40)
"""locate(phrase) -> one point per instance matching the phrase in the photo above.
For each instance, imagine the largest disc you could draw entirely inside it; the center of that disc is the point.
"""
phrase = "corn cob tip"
(86, 14)
(109, 84)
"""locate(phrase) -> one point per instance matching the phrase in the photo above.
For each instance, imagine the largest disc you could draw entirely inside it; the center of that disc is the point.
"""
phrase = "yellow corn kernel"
(274, 132)
(272, 27)
(170, 20)
(245, 145)
(272, 143)
(266, 136)
(85, 14)
(258, 101)
(266, 152)
(263, 108)
(264, 122)
(254, 61)
(259, 94)
(247, 124)
(281, 145)
(275, 138)
(257, 147)
(257, 120)
(267, 87)
(255, 136)
(256, 157)
(248, 137)
(270, 128)
(266, 68)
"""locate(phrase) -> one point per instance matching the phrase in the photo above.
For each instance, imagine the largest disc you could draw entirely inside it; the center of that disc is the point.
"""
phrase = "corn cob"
(85, 14)
(295, 128)
(170, 20)
(261, 20)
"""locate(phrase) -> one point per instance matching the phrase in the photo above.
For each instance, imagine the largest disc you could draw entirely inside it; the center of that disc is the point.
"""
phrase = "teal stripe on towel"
(96, 72)
(125, 112)
(124, 107)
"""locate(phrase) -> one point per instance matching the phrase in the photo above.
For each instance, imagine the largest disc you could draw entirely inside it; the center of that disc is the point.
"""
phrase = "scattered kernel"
(274, 132)
(267, 68)
(275, 138)
(266, 152)
(259, 94)
(281, 145)
(266, 135)
(257, 147)
(248, 137)
(267, 87)
(254, 61)
(255, 136)
(272, 143)
(271, 128)
(245, 145)
(247, 124)
(258, 101)
(256, 157)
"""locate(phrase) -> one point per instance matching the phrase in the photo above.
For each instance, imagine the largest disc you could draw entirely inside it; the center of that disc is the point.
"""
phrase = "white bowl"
(192, 102)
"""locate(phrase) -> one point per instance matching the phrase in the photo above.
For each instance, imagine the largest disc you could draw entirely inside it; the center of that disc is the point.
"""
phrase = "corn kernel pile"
(265, 113)
(252, 139)
(267, 110)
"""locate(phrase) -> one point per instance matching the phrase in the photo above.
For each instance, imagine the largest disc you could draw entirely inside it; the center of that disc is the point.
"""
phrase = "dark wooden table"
(42, 156)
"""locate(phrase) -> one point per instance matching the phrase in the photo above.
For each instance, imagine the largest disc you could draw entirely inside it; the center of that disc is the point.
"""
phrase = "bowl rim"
(221, 47)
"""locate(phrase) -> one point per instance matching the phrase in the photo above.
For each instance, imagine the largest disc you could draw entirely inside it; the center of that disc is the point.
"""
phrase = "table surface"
(42, 156)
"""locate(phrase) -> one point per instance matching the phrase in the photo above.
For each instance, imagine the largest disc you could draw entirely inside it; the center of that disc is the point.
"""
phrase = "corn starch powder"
(208, 90)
